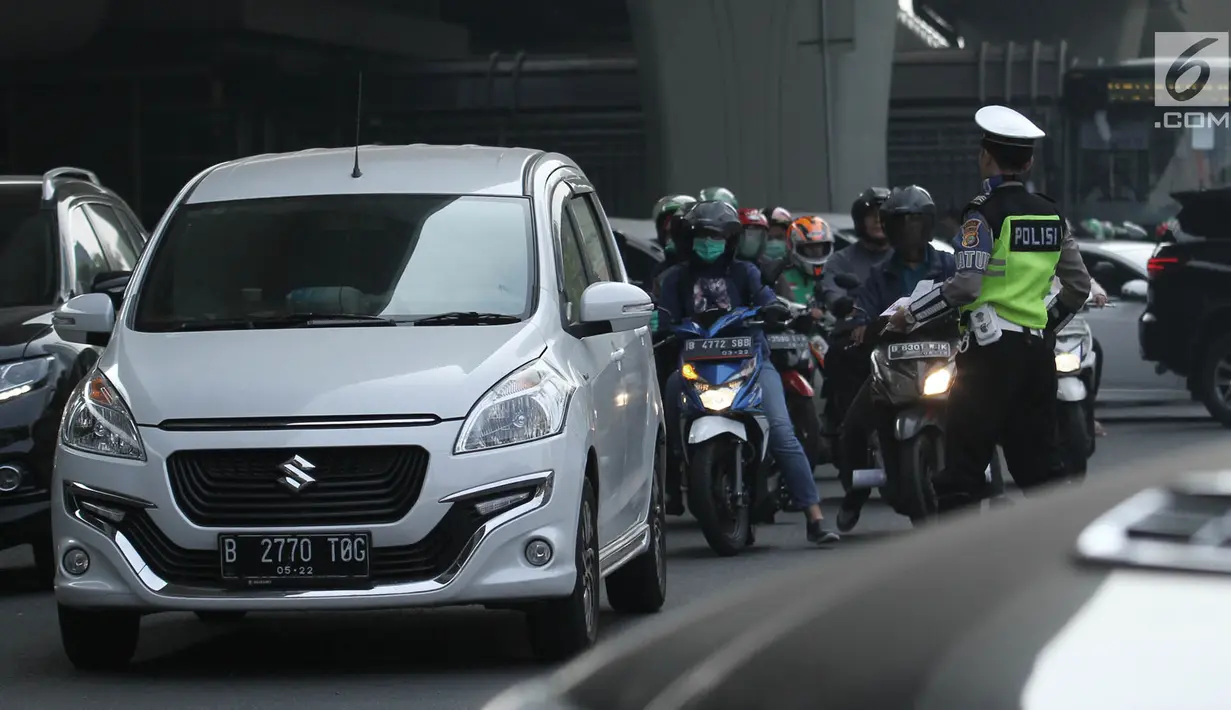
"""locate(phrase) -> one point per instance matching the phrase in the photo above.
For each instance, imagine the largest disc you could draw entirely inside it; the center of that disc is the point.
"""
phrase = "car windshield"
(398, 257)
(27, 249)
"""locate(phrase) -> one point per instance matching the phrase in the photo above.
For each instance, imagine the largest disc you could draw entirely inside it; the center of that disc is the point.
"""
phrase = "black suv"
(61, 234)
(1186, 327)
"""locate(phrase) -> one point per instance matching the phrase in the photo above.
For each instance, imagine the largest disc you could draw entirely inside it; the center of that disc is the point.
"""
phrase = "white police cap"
(1002, 124)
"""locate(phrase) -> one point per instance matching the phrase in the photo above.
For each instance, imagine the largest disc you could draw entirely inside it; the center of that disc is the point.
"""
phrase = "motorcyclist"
(752, 245)
(713, 278)
(718, 194)
(860, 258)
(908, 216)
(847, 367)
(663, 211)
(812, 243)
(774, 259)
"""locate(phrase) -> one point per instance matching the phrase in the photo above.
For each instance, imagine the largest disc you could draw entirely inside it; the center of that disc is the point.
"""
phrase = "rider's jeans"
(787, 451)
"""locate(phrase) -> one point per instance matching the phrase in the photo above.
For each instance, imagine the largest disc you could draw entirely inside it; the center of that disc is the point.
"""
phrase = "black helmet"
(908, 212)
(868, 202)
(705, 219)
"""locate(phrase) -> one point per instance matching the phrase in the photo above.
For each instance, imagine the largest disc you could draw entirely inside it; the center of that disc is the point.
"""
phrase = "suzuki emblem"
(297, 477)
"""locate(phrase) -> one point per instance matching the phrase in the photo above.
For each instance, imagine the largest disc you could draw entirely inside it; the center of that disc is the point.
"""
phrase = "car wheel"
(561, 628)
(220, 617)
(1216, 379)
(45, 562)
(98, 640)
(640, 587)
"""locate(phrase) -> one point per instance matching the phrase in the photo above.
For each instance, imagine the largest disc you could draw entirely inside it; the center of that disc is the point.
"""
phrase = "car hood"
(18, 326)
(315, 372)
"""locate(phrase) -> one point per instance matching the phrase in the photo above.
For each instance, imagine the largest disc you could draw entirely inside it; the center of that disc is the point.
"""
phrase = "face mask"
(749, 246)
(775, 249)
(708, 250)
(670, 248)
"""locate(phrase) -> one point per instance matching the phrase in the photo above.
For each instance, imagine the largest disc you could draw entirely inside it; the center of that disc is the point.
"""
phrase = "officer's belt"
(1011, 327)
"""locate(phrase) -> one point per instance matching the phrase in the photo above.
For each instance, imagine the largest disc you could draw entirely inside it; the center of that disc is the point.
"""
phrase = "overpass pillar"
(735, 95)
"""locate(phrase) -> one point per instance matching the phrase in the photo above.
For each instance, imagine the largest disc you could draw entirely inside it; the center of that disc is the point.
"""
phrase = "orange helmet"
(812, 243)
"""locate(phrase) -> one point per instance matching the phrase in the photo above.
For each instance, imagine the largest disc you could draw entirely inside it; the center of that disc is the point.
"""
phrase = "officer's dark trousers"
(1003, 393)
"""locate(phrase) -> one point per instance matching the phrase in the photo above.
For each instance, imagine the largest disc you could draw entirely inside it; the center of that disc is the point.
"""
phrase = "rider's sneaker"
(818, 535)
(848, 518)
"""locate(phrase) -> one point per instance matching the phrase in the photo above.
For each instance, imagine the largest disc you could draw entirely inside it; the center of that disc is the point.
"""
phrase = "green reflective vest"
(1028, 233)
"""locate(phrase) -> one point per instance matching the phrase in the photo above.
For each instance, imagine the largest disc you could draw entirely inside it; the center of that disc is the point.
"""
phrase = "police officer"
(1010, 245)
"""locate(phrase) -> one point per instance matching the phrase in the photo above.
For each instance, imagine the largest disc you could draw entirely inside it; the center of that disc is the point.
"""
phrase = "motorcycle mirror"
(847, 281)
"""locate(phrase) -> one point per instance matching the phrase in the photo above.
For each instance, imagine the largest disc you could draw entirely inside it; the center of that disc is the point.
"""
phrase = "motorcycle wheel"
(922, 459)
(807, 423)
(710, 477)
(1075, 438)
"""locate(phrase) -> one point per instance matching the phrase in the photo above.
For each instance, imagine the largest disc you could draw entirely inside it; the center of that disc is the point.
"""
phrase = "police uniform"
(1010, 246)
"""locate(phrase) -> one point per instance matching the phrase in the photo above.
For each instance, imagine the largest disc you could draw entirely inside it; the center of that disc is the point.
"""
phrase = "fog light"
(538, 552)
(76, 561)
(10, 478)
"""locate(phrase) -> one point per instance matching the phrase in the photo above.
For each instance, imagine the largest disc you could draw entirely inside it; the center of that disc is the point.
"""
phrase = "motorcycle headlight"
(97, 421)
(717, 398)
(938, 381)
(528, 405)
(1068, 362)
(23, 377)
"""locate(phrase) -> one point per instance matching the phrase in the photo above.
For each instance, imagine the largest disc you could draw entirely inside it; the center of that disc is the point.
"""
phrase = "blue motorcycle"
(725, 433)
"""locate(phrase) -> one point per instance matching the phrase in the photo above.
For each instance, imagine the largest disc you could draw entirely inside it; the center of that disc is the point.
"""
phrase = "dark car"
(61, 234)
(1118, 601)
(1186, 326)
(639, 249)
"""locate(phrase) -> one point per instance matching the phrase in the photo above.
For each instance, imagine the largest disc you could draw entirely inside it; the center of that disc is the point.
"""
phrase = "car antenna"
(356, 172)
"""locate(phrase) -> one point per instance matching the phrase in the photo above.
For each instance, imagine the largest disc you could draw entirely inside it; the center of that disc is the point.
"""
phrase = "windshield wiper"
(293, 320)
(467, 318)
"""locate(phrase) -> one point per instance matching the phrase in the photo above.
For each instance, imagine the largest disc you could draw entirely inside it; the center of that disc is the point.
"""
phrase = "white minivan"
(370, 378)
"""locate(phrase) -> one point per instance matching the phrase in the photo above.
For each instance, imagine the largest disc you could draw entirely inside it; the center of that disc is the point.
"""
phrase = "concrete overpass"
(783, 101)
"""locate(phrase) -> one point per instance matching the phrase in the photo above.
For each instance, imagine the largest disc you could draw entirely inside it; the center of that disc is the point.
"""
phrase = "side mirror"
(848, 281)
(111, 282)
(86, 320)
(623, 306)
(1135, 290)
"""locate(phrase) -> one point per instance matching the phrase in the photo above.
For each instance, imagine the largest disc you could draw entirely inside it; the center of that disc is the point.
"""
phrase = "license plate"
(718, 348)
(278, 559)
(787, 341)
(917, 351)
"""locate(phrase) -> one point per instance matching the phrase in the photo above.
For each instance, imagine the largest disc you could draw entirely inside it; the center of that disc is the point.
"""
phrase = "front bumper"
(27, 441)
(151, 557)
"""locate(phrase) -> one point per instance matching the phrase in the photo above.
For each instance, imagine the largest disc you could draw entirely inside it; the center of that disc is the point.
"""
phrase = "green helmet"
(670, 205)
(719, 194)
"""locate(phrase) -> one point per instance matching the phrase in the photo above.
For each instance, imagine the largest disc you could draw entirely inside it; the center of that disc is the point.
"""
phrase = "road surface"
(425, 660)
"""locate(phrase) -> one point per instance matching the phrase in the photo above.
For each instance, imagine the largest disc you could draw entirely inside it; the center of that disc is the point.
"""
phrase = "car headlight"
(717, 398)
(23, 377)
(938, 381)
(1068, 362)
(527, 405)
(97, 421)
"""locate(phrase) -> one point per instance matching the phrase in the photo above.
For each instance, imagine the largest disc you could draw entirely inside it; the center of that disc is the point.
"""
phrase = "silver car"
(425, 382)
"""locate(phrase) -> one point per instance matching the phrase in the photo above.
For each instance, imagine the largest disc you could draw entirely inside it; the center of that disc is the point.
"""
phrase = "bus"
(1123, 157)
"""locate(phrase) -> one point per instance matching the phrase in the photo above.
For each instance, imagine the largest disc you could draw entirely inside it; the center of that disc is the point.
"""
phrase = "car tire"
(640, 587)
(1216, 355)
(220, 617)
(562, 628)
(99, 640)
(45, 563)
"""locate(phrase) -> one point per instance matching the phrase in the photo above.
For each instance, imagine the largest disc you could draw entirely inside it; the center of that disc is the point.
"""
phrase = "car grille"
(349, 486)
(423, 560)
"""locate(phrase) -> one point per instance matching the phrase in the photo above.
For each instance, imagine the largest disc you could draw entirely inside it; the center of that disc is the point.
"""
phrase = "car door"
(636, 369)
(1125, 376)
(589, 355)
